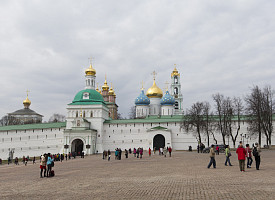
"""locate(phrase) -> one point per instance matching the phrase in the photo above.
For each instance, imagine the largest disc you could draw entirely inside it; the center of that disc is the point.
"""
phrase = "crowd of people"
(243, 154)
(137, 153)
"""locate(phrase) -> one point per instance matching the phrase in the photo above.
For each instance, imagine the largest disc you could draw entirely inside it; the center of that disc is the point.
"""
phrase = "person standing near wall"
(248, 155)
(241, 156)
(42, 166)
(257, 155)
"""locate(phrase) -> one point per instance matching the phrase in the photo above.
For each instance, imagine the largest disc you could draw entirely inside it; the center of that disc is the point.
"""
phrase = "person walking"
(109, 154)
(164, 152)
(141, 152)
(149, 151)
(43, 166)
(33, 160)
(241, 156)
(257, 155)
(218, 150)
(212, 157)
(135, 152)
(126, 153)
(227, 155)
(248, 155)
(170, 151)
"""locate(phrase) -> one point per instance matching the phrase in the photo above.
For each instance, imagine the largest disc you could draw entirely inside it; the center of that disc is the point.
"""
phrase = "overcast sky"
(218, 46)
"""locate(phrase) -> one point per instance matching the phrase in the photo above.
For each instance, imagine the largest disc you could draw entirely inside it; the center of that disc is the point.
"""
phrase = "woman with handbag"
(227, 155)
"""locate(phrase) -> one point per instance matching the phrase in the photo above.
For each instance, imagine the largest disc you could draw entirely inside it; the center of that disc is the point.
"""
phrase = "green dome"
(92, 96)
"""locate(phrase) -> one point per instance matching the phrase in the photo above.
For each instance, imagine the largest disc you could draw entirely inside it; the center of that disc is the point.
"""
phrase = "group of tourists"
(200, 148)
(137, 152)
(46, 164)
(242, 152)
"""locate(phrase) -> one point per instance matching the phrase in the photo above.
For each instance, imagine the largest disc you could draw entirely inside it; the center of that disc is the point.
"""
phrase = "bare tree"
(57, 118)
(9, 120)
(194, 119)
(208, 125)
(132, 113)
(260, 107)
(238, 111)
(225, 113)
(119, 116)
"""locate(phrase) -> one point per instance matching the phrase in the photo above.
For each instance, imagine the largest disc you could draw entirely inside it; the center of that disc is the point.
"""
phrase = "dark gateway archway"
(159, 141)
(77, 146)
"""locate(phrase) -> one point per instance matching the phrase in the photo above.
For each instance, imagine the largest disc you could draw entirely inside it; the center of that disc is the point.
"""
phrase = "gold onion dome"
(175, 72)
(154, 91)
(105, 87)
(97, 88)
(27, 102)
(90, 71)
(111, 91)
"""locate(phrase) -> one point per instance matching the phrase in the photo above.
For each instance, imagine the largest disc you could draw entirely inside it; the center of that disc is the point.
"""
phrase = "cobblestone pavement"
(183, 176)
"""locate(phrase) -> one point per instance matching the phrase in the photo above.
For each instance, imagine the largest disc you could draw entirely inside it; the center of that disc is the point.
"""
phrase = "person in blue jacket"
(49, 164)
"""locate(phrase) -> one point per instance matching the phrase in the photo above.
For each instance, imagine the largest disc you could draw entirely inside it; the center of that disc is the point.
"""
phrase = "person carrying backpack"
(257, 155)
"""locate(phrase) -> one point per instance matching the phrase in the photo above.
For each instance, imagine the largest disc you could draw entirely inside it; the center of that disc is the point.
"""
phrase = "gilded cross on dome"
(154, 73)
(90, 59)
(142, 88)
(166, 83)
(27, 93)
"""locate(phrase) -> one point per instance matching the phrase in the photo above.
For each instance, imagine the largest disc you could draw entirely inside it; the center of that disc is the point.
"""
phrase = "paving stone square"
(183, 176)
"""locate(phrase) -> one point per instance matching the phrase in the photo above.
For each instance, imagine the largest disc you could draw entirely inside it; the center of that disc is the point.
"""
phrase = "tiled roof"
(33, 126)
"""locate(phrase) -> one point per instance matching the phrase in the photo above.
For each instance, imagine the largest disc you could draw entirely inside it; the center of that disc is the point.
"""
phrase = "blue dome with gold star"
(167, 99)
(142, 99)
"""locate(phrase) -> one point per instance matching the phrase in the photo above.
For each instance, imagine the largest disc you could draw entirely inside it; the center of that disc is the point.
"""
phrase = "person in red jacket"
(170, 151)
(241, 156)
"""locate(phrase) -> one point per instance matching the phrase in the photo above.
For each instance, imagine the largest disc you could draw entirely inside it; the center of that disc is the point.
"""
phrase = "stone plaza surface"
(183, 176)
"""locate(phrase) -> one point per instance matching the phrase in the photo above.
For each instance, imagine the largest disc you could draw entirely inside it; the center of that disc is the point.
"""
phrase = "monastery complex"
(92, 125)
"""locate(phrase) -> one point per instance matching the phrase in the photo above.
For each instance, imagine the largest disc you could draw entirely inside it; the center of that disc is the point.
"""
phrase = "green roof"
(149, 119)
(93, 97)
(33, 126)
(159, 128)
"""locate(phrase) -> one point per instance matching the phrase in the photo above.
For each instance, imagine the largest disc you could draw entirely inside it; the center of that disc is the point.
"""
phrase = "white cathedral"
(92, 125)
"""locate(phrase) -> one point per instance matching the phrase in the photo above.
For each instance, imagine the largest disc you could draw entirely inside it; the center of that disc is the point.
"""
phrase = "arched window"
(76, 115)
(91, 115)
(176, 90)
(83, 113)
(88, 81)
(176, 105)
(176, 80)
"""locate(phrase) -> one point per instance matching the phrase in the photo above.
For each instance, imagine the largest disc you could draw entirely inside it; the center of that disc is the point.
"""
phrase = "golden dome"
(111, 91)
(97, 88)
(105, 87)
(90, 71)
(154, 91)
(27, 102)
(175, 72)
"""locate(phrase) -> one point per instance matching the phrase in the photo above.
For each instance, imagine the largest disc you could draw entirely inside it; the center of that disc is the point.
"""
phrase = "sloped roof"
(33, 126)
(25, 111)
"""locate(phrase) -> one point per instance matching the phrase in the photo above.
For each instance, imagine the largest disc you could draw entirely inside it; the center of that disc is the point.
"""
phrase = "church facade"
(92, 125)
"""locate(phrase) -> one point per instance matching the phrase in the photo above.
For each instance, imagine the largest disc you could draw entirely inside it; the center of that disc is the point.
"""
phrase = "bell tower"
(176, 91)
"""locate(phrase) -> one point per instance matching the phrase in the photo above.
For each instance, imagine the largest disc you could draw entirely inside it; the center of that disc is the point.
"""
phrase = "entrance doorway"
(77, 147)
(159, 141)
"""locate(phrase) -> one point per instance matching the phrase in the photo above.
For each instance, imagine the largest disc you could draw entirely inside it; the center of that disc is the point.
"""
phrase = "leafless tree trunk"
(58, 118)
(194, 119)
(238, 109)
(208, 122)
(260, 106)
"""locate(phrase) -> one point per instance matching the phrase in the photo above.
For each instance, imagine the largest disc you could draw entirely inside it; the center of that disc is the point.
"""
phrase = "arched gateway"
(77, 146)
(159, 141)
